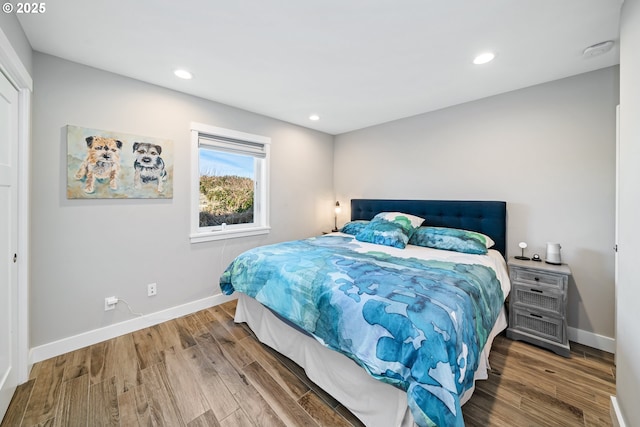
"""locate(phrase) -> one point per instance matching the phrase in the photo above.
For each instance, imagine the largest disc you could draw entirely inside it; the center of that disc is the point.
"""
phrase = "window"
(229, 180)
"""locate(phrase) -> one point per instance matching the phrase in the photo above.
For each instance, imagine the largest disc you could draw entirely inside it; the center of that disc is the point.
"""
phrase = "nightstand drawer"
(549, 327)
(539, 297)
(538, 277)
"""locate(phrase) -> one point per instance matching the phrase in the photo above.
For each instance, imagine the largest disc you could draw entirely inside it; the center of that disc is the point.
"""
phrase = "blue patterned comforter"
(417, 324)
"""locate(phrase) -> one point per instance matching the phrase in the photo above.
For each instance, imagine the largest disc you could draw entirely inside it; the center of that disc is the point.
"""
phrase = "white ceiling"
(355, 63)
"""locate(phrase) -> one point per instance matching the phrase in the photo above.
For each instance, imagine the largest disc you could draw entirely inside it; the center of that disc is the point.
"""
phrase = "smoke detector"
(597, 49)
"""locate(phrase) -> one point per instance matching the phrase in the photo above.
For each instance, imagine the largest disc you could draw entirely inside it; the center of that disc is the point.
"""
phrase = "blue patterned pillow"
(354, 227)
(452, 239)
(390, 229)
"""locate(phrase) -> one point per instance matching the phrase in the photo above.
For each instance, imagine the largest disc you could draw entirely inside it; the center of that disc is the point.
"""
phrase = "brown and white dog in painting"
(102, 162)
(148, 165)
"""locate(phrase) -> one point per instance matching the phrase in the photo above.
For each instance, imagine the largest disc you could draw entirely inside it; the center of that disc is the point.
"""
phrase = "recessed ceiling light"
(598, 49)
(314, 117)
(483, 58)
(183, 74)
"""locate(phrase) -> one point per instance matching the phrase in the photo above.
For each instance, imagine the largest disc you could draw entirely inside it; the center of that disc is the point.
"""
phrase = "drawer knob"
(536, 290)
(535, 315)
(537, 279)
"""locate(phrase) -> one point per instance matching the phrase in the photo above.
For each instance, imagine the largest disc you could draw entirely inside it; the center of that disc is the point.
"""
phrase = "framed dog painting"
(106, 165)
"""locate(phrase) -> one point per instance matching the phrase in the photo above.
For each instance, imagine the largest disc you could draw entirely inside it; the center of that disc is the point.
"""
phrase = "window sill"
(228, 234)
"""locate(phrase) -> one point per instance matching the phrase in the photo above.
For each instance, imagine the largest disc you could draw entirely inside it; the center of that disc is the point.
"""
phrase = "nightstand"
(538, 304)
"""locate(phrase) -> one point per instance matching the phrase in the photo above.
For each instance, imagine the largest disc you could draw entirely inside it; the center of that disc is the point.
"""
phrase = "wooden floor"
(204, 370)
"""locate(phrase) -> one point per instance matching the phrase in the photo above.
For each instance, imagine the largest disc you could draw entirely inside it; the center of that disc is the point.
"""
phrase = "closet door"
(8, 242)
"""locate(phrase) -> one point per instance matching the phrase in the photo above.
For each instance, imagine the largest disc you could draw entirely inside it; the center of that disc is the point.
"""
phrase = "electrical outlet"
(110, 303)
(151, 289)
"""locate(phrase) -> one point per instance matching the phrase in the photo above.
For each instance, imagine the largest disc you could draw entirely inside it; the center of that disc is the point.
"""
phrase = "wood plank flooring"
(205, 370)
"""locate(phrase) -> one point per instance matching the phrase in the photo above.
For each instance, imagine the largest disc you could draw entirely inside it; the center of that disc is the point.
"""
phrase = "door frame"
(13, 68)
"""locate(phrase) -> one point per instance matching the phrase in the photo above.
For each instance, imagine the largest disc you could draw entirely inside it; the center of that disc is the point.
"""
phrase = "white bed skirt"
(375, 403)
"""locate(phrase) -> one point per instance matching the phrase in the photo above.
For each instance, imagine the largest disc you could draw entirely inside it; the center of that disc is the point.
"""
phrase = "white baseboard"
(590, 339)
(65, 345)
(616, 416)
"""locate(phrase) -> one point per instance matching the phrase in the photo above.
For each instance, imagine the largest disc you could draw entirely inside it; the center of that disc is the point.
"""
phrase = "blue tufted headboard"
(487, 217)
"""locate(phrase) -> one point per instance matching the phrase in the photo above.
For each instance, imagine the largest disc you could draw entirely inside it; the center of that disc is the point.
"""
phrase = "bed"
(396, 331)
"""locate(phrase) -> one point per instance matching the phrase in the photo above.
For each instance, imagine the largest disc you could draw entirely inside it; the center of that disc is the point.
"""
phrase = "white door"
(616, 235)
(8, 242)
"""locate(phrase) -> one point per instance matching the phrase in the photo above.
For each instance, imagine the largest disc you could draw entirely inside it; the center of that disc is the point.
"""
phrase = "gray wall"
(548, 150)
(86, 250)
(12, 29)
(628, 288)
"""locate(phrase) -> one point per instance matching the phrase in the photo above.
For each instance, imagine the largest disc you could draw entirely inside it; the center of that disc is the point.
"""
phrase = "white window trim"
(197, 235)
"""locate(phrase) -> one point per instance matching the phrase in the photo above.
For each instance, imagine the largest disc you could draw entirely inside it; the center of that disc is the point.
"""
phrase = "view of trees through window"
(226, 188)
